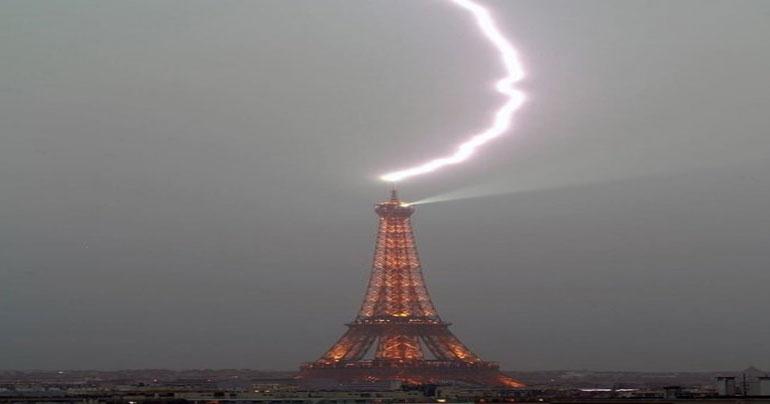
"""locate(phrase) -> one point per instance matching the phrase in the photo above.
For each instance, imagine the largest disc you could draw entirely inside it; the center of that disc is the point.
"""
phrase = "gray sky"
(189, 183)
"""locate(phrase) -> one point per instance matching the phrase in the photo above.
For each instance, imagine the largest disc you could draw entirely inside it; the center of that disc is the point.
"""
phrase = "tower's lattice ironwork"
(398, 334)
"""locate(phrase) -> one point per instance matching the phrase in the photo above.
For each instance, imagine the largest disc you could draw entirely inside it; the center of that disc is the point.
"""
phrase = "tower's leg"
(352, 346)
(444, 345)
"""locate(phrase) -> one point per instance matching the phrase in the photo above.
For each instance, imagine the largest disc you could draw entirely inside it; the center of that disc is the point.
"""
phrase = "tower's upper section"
(396, 291)
(393, 207)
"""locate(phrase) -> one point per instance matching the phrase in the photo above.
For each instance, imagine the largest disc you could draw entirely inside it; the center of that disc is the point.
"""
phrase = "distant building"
(334, 385)
(726, 386)
(764, 386)
(672, 392)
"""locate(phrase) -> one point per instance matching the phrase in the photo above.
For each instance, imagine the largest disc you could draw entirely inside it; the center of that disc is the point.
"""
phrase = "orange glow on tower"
(398, 322)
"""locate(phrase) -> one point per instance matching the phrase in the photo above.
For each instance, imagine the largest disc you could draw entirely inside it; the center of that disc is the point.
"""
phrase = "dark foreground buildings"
(242, 386)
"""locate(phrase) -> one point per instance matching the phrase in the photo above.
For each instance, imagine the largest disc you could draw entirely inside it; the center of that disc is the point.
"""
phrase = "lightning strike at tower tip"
(503, 115)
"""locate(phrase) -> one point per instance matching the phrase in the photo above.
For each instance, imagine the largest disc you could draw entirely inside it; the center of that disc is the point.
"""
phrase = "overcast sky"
(189, 184)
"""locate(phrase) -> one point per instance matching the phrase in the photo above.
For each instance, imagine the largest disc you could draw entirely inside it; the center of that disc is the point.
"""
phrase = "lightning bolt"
(504, 114)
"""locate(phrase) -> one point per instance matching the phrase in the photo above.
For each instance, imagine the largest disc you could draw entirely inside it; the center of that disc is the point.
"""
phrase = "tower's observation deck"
(398, 334)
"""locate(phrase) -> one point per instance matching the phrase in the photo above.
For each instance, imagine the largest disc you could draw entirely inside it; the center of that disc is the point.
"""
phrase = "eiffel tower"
(398, 334)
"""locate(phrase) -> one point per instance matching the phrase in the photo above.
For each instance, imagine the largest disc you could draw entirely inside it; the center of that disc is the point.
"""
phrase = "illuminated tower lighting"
(398, 334)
